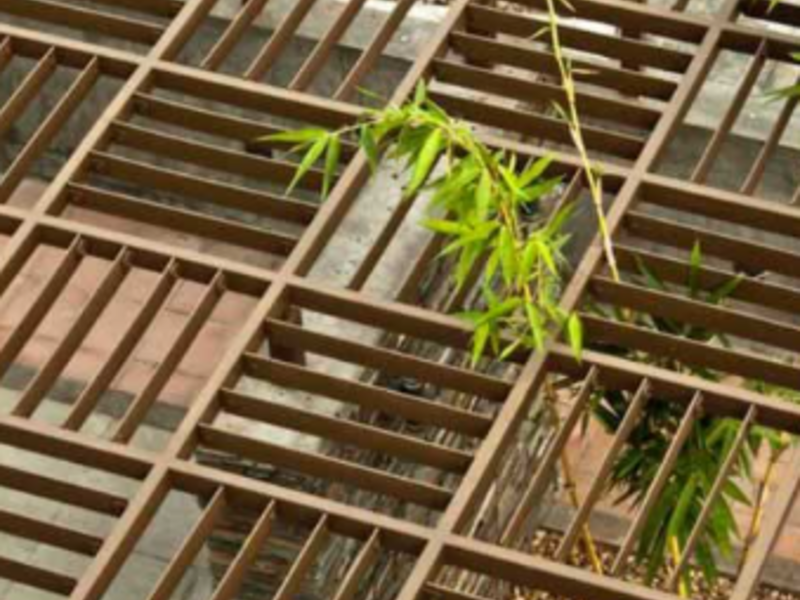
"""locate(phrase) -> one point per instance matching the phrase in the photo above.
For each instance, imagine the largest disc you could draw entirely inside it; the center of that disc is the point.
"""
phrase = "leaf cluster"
(679, 506)
(486, 203)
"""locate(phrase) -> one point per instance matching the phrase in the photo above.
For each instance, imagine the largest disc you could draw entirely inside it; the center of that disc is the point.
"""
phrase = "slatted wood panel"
(168, 153)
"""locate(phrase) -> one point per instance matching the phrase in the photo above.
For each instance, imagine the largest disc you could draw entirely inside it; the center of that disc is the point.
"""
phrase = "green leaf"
(695, 264)
(547, 256)
(420, 93)
(724, 291)
(483, 195)
(446, 227)
(679, 520)
(535, 171)
(331, 164)
(370, 146)
(479, 341)
(298, 136)
(536, 324)
(508, 255)
(309, 160)
(426, 160)
(575, 335)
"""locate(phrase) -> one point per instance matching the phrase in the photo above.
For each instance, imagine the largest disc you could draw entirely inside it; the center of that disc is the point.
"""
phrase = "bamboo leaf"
(370, 146)
(331, 164)
(298, 136)
(314, 153)
(508, 257)
(575, 335)
(426, 160)
(483, 195)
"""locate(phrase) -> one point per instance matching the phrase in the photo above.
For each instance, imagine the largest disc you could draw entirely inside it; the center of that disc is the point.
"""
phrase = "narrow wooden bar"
(28, 575)
(212, 157)
(713, 496)
(33, 395)
(344, 431)
(369, 57)
(67, 265)
(233, 34)
(225, 195)
(325, 467)
(190, 548)
(388, 361)
(600, 480)
(659, 482)
(27, 90)
(544, 470)
(237, 572)
(723, 130)
(141, 405)
(525, 56)
(305, 561)
(86, 19)
(716, 318)
(358, 570)
(367, 396)
(91, 394)
(61, 491)
(280, 38)
(193, 223)
(49, 128)
(49, 534)
(324, 48)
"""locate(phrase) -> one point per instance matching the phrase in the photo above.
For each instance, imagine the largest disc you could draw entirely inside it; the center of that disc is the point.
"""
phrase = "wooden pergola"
(641, 68)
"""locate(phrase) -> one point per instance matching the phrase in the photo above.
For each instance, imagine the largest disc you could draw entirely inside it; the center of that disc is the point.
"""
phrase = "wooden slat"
(91, 394)
(387, 360)
(198, 316)
(212, 157)
(716, 318)
(538, 125)
(27, 90)
(280, 38)
(203, 189)
(689, 352)
(179, 219)
(190, 548)
(370, 56)
(637, 54)
(44, 135)
(61, 491)
(520, 55)
(344, 431)
(358, 570)
(370, 397)
(234, 578)
(304, 562)
(659, 482)
(233, 34)
(323, 50)
(34, 393)
(622, 111)
(86, 19)
(544, 471)
(722, 479)
(49, 534)
(66, 266)
(600, 479)
(325, 467)
(36, 578)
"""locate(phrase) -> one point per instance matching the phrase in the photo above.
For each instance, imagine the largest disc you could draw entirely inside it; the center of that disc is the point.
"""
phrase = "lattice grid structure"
(641, 68)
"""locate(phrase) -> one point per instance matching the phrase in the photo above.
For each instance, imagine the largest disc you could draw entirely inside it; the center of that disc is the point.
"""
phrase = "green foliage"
(486, 198)
(680, 504)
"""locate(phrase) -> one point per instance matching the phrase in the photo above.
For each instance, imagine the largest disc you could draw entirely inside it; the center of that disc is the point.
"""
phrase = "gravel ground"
(546, 543)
